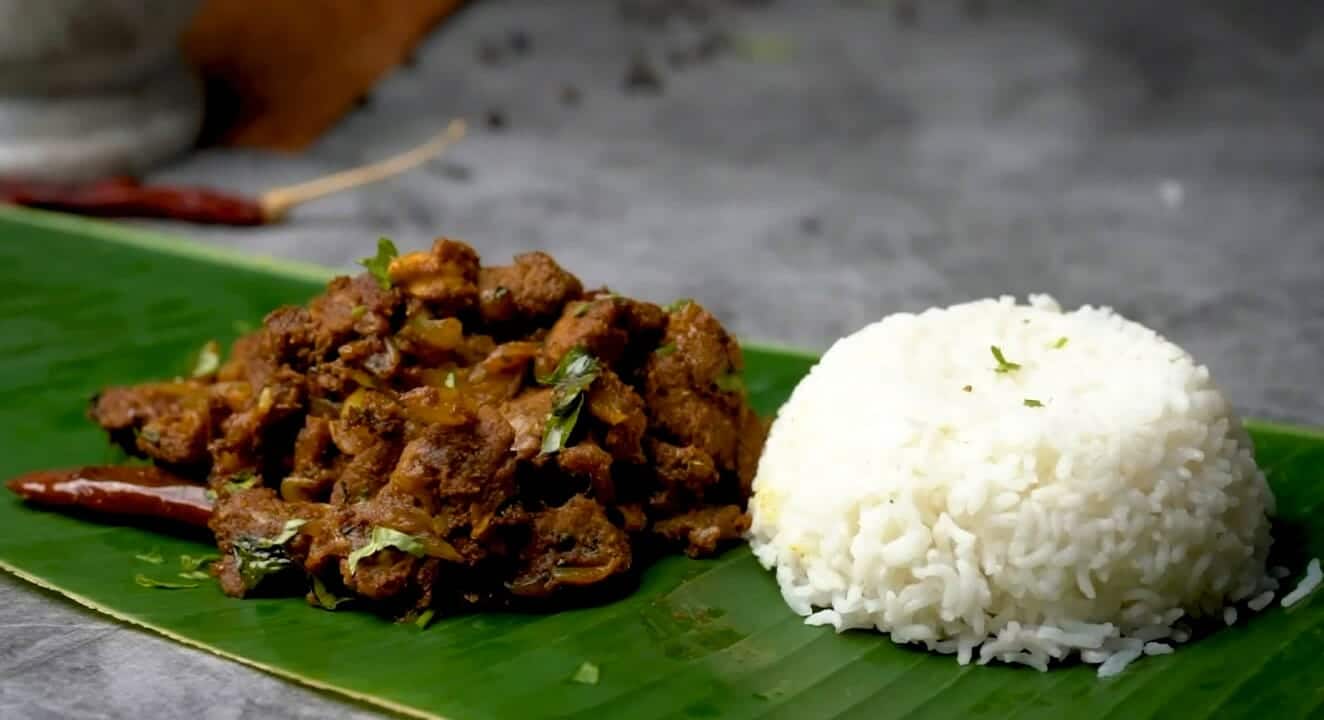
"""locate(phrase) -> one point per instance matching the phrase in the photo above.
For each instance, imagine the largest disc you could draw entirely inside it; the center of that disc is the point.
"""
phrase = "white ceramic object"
(91, 88)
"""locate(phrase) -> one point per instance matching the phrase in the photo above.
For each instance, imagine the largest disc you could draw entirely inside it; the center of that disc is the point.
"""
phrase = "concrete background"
(838, 161)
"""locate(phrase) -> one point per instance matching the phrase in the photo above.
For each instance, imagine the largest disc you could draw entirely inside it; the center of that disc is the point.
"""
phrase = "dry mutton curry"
(438, 436)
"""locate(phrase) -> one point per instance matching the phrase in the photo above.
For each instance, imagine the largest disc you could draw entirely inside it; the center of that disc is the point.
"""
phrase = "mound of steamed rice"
(1082, 495)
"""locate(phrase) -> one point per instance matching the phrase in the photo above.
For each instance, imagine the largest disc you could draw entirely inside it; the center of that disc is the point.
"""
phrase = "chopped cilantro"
(379, 266)
(1061, 343)
(326, 599)
(581, 308)
(425, 618)
(147, 582)
(207, 361)
(195, 575)
(450, 379)
(678, 305)
(1031, 402)
(573, 375)
(358, 311)
(1003, 365)
(382, 538)
(665, 350)
(587, 674)
(152, 556)
(500, 292)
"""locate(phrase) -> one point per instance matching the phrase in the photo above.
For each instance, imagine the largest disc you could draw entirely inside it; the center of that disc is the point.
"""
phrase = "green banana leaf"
(87, 304)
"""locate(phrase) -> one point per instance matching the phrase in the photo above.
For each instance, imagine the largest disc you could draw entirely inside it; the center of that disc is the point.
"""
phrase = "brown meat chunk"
(533, 290)
(684, 475)
(469, 467)
(527, 417)
(378, 356)
(289, 337)
(698, 352)
(589, 461)
(572, 546)
(247, 525)
(620, 410)
(314, 472)
(696, 419)
(703, 530)
(610, 328)
(445, 277)
(244, 434)
(365, 472)
(168, 422)
(352, 306)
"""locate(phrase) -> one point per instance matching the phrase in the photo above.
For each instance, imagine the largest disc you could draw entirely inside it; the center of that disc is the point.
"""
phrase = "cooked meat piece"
(314, 469)
(445, 277)
(168, 422)
(352, 307)
(388, 440)
(703, 530)
(587, 460)
(573, 545)
(698, 352)
(533, 290)
(260, 538)
(609, 327)
(527, 416)
(684, 476)
(365, 472)
(690, 418)
(468, 467)
(621, 411)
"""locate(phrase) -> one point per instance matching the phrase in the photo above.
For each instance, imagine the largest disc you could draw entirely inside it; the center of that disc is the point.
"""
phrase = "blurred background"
(801, 166)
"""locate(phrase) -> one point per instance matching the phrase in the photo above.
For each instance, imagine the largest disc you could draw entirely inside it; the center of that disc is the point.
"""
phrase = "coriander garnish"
(677, 305)
(450, 379)
(1031, 402)
(380, 265)
(425, 618)
(358, 311)
(259, 557)
(191, 563)
(665, 350)
(1061, 343)
(1004, 366)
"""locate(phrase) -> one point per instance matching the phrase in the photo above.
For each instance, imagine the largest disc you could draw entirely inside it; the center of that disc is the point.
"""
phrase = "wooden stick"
(278, 201)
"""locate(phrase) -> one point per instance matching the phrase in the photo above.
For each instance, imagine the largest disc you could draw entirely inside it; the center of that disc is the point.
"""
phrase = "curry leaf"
(379, 266)
(326, 599)
(382, 538)
(729, 381)
(573, 375)
(189, 563)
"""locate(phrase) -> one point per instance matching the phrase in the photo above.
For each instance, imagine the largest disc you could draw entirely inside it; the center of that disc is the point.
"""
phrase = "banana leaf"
(87, 304)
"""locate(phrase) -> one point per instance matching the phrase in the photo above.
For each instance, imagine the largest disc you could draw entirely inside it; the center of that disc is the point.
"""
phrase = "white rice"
(1306, 586)
(908, 487)
(1261, 601)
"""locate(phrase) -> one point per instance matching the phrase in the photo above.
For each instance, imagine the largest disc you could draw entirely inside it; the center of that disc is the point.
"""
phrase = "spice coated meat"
(435, 434)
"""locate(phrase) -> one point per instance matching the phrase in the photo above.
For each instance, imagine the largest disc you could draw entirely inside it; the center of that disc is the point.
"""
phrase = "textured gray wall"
(1163, 158)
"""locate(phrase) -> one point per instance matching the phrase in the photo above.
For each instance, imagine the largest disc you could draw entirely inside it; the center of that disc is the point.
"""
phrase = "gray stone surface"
(1166, 159)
